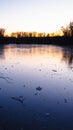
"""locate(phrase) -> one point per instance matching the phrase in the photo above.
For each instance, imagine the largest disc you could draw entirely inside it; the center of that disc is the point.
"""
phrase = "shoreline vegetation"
(59, 40)
(63, 37)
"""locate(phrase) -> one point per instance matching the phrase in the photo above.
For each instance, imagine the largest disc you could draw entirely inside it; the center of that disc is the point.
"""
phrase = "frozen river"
(36, 87)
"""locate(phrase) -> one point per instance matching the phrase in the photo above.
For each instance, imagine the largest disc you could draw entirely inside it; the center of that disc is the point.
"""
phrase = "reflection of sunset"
(34, 54)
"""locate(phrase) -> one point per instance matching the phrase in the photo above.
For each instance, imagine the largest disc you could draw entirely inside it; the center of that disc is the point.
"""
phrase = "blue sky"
(35, 15)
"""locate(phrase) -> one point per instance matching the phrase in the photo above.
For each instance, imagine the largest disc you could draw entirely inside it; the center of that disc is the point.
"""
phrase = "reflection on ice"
(43, 74)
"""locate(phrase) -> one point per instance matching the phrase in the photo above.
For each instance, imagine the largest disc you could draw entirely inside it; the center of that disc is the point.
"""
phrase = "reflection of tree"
(67, 52)
(2, 51)
(68, 55)
(64, 53)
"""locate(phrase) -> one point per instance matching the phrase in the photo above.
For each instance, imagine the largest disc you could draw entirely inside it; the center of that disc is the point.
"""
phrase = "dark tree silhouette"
(65, 31)
(68, 30)
(71, 28)
(2, 32)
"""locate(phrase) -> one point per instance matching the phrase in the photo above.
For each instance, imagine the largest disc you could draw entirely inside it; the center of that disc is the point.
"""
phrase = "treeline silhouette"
(39, 38)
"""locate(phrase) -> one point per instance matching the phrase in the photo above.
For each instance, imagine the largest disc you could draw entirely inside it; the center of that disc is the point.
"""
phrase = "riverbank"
(37, 40)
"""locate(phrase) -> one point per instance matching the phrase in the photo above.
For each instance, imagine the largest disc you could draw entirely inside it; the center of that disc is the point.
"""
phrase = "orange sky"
(35, 15)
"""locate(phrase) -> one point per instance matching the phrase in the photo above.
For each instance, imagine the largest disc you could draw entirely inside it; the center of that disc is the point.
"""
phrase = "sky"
(35, 15)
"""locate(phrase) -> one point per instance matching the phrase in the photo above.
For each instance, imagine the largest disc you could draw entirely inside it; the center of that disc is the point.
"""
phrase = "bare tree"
(71, 28)
(68, 30)
(2, 32)
(65, 31)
